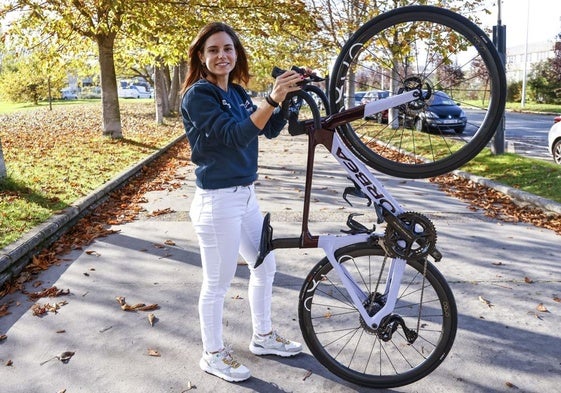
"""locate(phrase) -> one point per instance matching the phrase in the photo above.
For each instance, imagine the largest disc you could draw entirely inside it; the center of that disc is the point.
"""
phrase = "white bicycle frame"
(374, 189)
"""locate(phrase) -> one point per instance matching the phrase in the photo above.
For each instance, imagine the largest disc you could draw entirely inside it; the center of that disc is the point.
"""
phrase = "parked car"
(374, 95)
(442, 113)
(133, 91)
(69, 93)
(358, 97)
(554, 140)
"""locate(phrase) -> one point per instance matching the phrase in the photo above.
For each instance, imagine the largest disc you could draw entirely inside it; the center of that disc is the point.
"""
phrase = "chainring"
(422, 232)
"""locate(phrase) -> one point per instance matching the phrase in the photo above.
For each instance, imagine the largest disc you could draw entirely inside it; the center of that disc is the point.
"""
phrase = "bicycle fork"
(331, 243)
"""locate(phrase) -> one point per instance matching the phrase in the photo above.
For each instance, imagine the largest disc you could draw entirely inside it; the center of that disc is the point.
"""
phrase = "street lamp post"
(525, 72)
(499, 39)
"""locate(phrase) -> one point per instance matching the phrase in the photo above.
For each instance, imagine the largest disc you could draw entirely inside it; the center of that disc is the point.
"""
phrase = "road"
(525, 133)
(528, 133)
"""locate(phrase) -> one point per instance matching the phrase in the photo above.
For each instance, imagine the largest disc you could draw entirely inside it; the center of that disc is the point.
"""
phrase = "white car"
(134, 92)
(554, 140)
(69, 94)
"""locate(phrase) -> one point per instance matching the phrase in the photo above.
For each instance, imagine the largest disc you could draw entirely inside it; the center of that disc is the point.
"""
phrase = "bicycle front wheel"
(461, 76)
(338, 337)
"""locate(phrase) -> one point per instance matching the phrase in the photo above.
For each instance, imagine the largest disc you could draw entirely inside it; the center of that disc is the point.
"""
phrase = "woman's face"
(219, 54)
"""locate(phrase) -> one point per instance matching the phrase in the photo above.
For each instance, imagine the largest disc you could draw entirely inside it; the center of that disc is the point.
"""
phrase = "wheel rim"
(477, 82)
(557, 153)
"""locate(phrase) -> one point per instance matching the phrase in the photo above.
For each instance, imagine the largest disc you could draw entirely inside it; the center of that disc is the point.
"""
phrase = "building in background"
(517, 55)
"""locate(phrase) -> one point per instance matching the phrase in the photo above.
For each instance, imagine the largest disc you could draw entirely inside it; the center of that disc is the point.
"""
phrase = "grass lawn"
(54, 157)
(539, 177)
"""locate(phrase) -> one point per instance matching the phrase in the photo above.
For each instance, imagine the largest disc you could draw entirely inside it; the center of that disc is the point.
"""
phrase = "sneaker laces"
(277, 337)
(227, 357)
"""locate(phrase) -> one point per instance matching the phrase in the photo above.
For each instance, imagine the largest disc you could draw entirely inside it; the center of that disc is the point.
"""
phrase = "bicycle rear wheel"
(338, 337)
(452, 60)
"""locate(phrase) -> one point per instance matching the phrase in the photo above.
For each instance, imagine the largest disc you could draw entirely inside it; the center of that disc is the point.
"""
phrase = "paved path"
(507, 347)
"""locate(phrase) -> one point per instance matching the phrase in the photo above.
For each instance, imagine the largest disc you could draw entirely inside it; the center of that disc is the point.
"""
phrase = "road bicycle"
(375, 311)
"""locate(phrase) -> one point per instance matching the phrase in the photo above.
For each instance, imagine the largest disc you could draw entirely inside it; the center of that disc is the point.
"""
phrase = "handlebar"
(309, 75)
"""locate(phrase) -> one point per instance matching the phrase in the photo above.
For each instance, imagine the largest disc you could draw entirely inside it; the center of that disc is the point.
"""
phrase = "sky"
(543, 20)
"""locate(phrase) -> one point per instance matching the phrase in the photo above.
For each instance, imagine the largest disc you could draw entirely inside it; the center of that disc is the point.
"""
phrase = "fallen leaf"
(485, 301)
(64, 357)
(541, 308)
(528, 280)
(3, 337)
(61, 331)
(91, 252)
(511, 385)
(557, 299)
(128, 307)
(4, 310)
(153, 352)
(497, 263)
(169, 242)
(41, 309)
(9, 363)
(160, 212)
(151, 319)
(49, 292)
(308, 374)
(149, 307)
(120, 300)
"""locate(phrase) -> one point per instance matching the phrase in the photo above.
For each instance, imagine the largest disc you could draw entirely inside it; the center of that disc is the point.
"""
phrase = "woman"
(222, 125)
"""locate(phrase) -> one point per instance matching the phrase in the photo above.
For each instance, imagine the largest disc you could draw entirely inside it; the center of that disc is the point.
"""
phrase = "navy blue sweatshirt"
(223, 138)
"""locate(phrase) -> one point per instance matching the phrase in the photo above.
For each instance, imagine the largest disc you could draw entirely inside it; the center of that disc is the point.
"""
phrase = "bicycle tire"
(320, 97)
(443, 51)
(333, 330)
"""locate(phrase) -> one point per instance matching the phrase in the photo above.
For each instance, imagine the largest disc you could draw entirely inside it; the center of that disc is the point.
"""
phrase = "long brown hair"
(197, 71)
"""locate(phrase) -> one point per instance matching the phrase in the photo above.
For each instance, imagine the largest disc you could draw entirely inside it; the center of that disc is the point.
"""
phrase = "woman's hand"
(284, 84)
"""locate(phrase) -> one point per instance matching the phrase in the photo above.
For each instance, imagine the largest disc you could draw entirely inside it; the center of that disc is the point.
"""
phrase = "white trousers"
(228, 222)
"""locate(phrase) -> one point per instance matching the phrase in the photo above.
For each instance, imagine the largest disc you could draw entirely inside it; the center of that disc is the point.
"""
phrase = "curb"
(514, 193)
(15, 256)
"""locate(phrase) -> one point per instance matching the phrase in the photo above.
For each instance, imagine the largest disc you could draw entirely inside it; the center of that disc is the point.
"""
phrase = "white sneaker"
(223, 365)
(273, 344)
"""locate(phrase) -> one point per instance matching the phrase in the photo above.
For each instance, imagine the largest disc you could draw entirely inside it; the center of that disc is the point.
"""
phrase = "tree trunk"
(183, 67)
(109, 96)
(167, 83)
(3, 172)
(174, 91)
(160, 93)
